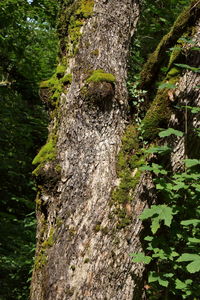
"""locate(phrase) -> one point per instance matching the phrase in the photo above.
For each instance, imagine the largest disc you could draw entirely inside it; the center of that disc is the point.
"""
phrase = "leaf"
(191, 162)
(194, 240)
(163, 282)
(158, 169)
(155, 225)
(186, 40)
(169, 132)
(141, 258)
(194, 266)
(180, 284)
(184, 66)
(188, 257)
(159, 149)
(158, 213)
(148, 238)
(145, 168)
(153, 277)
(167, 86)
(193, 222)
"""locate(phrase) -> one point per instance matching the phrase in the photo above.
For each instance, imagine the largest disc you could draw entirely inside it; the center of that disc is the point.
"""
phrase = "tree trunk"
(90, 189)
(81, 252)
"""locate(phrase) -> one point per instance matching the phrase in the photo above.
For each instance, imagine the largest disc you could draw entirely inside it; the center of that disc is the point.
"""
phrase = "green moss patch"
(72, 17)
(85, 9)
(130, 158)
(157, 116)
(41, 258)
(47, 152)
(56, 85)
(100, 76)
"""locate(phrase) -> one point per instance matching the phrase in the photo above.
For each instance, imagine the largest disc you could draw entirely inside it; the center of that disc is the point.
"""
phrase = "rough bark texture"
(82, 252)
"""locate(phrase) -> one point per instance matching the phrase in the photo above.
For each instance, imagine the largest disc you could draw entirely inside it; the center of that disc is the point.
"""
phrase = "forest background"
(28, 51)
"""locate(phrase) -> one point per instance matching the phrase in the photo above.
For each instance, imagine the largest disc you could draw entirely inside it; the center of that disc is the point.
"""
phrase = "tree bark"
(84, 235)
(81, 254)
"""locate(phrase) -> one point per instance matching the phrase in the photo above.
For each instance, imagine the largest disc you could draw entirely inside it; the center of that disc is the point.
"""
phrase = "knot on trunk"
(99, 94)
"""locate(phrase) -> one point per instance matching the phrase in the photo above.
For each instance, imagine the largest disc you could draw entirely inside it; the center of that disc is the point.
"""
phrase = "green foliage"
(172, 248)
(155, 20)
(28, 47)
(23, 127)
(100, 75)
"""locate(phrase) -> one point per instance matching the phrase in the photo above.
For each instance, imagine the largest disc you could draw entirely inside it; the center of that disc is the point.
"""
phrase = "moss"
(41, 258)
(74, 34)
(86, 260)
(47, 152)
(159, 56)
(85, 9)
(60, 70)
(95, 52)
(130, 158)
(97, 228)
(173, 72)
(124, 223)
(176, 51)
(100, 75)
(157, 116)
(66, 79)
(72, 16)
(50, 240)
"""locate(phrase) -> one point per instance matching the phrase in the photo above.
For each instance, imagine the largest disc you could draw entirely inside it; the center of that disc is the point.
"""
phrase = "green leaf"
(193, 222)
(194, 266)
(141, 258)
(163, 282)
(145, 168)
(155, 225)
(191, 162)
(180, 284)
(148, 238)
(153, 277)
(158, 213)
(188, 257)
(159, 149)
(194, 240)
(184, 66)
(169, 132)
